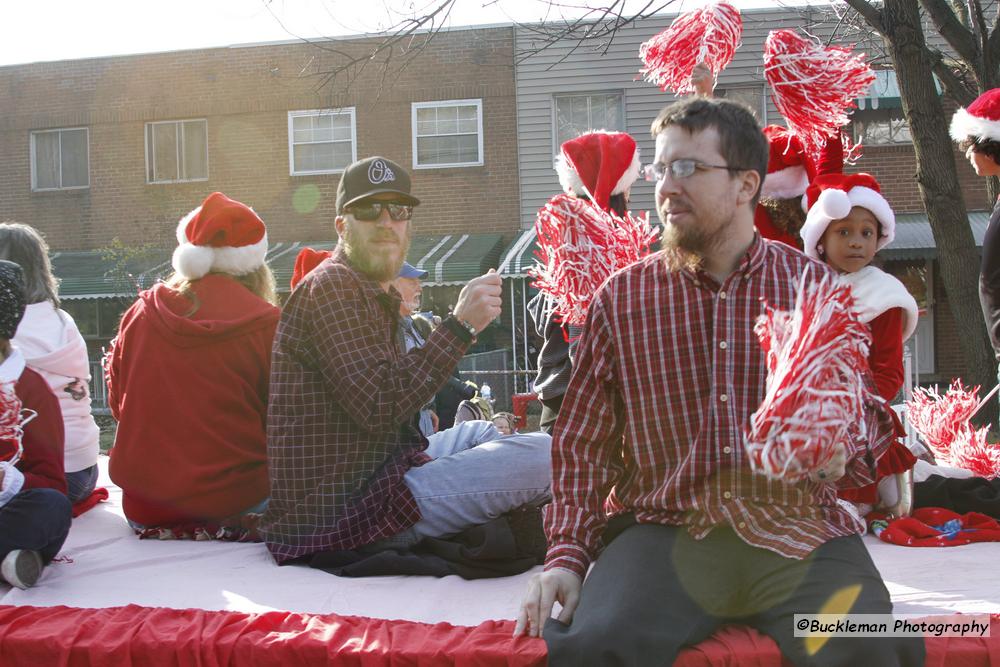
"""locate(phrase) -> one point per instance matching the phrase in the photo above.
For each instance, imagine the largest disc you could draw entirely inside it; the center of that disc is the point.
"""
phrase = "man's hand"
(702, 80)
(479, 302)
(834, 470)
(543, 591)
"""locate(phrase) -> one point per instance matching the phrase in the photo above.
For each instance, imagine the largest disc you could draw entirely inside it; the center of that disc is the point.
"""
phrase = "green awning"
(519, 255)
(449, 259)
(915, 240)
(101, 274)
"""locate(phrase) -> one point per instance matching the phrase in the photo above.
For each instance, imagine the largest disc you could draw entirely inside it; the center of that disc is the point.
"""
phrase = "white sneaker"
(21, 568)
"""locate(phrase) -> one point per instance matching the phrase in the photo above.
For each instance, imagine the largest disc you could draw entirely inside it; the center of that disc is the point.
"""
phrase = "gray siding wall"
(555, 70)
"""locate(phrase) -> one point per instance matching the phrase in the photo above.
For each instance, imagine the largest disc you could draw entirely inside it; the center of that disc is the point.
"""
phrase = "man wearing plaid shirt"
(347, 462)
(667, 374)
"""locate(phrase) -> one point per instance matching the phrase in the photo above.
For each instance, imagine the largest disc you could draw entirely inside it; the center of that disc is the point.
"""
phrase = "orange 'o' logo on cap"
(379, 172)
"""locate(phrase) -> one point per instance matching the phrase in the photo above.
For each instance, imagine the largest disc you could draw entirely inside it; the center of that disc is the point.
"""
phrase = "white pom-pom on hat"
(832, 196)
(220, 235)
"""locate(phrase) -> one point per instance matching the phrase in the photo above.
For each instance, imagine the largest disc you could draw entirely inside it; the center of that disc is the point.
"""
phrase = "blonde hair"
(260, 281)
(23, 245)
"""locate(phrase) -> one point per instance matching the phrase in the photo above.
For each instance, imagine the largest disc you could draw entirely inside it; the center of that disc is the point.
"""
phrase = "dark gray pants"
(655, 590)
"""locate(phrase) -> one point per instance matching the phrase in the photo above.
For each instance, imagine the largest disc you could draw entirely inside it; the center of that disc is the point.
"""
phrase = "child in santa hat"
(188, 377)
(790, 170)
(847, 223)
(35, 513)
(601, 167)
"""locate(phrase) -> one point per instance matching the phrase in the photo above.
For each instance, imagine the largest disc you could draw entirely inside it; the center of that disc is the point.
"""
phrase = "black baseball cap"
(373, 176)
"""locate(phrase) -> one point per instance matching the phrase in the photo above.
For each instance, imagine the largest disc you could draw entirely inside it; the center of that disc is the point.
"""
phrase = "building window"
(322, 141)
(576, 114)
(447, 134)
(60, 159)
(880, 127)
(177, 151)
(749, 96)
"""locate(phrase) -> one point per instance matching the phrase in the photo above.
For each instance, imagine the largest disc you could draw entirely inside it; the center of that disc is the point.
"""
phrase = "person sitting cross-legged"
(35, 513)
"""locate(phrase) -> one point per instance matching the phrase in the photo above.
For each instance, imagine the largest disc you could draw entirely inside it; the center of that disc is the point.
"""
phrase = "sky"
(47, 30)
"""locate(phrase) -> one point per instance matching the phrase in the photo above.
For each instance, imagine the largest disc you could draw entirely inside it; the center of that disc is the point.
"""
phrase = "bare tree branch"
(869, 13)
(956, 87)
(958, 36)
(598, 26)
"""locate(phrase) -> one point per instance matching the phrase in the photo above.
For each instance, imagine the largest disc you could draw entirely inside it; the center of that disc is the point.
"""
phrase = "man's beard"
(685, 248)
(380, 265)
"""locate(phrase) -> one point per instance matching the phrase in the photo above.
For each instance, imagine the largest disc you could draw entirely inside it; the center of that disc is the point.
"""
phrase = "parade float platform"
(112, 599)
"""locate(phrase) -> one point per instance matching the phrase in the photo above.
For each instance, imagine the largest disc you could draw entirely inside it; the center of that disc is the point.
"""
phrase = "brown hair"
(987, 147)
(260, 281)
(23, 245)
(741, 141)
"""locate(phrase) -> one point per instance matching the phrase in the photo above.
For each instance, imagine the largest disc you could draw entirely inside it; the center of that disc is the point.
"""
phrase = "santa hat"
(220, 235)
(307, 260)
(598, 164)
(832, 196)
(789, 167)
(980, 121)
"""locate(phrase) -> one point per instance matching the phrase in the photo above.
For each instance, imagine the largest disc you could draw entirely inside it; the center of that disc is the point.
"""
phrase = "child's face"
(849, 243)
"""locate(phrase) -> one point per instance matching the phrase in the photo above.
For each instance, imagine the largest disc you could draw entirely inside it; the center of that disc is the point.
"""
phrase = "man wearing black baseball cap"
(346, 457)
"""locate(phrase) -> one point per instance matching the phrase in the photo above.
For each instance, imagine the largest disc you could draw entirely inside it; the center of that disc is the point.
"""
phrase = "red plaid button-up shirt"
(341, 427)
(667, 373)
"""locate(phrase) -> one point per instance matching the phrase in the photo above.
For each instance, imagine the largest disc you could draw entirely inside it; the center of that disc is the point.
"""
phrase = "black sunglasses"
(372, 211)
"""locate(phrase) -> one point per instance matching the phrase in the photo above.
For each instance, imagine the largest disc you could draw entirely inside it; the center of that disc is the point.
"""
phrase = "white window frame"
(414, 106)
(146, 142)
(34, 171)
(349, 111)
(556, 146)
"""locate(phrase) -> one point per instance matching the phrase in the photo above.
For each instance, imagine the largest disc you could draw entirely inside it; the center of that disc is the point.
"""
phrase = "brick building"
(104, 155)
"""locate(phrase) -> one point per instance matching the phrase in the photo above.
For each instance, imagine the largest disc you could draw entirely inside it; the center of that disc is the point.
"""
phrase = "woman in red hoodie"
(188, 377)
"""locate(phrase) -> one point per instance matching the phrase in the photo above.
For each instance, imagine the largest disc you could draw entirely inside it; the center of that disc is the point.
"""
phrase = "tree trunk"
(958, 257)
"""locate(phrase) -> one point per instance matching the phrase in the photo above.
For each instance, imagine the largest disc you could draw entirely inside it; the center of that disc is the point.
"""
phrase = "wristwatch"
(460, 328)
(468, 327)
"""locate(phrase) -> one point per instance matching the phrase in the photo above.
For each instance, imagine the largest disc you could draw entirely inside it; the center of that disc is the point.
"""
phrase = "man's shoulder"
(783, 256)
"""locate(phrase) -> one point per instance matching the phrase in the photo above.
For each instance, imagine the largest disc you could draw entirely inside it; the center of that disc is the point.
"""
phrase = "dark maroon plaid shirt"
(667, 373)
(341, 428)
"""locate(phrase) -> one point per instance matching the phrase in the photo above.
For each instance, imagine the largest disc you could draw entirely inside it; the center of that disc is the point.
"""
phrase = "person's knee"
(51, 509)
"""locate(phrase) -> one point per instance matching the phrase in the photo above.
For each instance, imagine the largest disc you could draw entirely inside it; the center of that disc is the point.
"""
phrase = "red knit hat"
(832, 196)
(220, 235)
(789, 167)
(980, 121)
(598, 164)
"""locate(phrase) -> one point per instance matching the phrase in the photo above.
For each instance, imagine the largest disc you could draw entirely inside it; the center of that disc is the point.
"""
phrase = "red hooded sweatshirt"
(190, 396)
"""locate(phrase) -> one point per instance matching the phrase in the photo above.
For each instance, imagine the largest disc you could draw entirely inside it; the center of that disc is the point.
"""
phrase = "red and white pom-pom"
(943, 423)
(971, 451)
(707, 35)
(579, 246)
(815, 390)
(12, 420)
(813, 85)
(938, 419)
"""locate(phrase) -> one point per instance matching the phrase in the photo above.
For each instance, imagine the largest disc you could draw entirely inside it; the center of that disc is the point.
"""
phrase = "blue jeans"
(36, 519)
(476, 476)
(81, 484)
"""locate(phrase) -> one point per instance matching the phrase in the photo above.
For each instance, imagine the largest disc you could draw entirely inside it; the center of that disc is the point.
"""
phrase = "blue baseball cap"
(410, 271)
